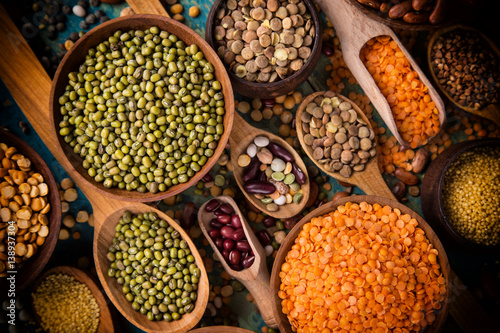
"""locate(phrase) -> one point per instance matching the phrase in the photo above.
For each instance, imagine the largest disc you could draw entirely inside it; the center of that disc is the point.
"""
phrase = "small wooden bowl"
(105, 318)
(76, 56)
(277, 88)
(34, 266)
(221, 329)
(284, 324)
(432, 203)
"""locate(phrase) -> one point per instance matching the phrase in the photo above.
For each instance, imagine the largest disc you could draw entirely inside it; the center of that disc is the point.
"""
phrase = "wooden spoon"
(256, 277)
(370, 179)
(17, 62)
(490, 111)
(355, 29)
(241, 136)
(284, 324)
(105, 319)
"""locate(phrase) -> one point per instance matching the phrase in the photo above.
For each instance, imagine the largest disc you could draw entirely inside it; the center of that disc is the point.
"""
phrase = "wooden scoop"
(370, 179)
(256, 277)
(241, 136)
(106, 324)
(490, 111)
(18, 62)
(354, 30)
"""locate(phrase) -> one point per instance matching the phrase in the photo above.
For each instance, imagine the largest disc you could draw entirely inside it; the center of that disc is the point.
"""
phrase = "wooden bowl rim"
(113, 289)
(461, 148)
(32, 268)
(284, 324)
(79, 50)
(432, 40)
(308, 66)
(89, 281)
(220, 329)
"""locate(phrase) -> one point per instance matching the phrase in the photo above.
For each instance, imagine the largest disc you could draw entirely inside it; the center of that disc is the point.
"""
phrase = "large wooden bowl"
(76, 56)
(432, 202)
(284, 324)
(276, 88)
(34, 266)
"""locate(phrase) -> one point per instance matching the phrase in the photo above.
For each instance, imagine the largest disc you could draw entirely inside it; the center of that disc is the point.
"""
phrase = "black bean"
(104, 19)
(67, 9)
(99, 13)
(84, 25)
(91, 19)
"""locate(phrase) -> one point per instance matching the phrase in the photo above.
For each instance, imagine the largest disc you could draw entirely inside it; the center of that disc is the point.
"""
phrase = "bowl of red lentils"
(361, 263)
(461, 195)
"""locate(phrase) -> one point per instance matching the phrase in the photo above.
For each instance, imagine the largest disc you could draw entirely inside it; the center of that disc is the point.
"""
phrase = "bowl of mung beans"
(268, 47)
(30, 214)
(361, 263)
(461, 195)
(142, 107)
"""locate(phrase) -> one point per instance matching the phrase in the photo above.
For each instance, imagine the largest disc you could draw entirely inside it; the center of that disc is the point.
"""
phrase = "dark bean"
(207, 178)
(235, 257)
(237, 267)
(251, 170)
(219, 242)
(67, 9)
(280, 152)
(243, 245)
(269, 221)
(227, 231)
(291, 222)
(188, 215)
(74, 36)
(264, 237)
(99, 13)
(224, 218)
(214, 233)
(236, 221)
(226, 208)
(259, 187)
(216, 224)
(83, 3)
(218, 212)
(268, 102)
(327, 49)
(225, 254)
(228, 244)
(95, 3)
(248, 261)
(104, 19)
(84, 25)
(212, 205)
(238, 234)
(91, 19)
(300, 177)
(60, 26)
(399, 190)
(262, 176)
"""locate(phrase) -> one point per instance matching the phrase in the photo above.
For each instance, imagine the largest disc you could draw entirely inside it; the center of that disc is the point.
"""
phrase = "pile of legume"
(65, 305)
(155, 267)
(471, 195)
(362, 267)
(24, 208)
(414, 112)
(336, 136)
(271, 174)
(144, 111)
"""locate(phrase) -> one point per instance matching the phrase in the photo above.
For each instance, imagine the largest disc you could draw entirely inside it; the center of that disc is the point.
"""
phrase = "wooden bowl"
(284, 324)
(432, 203)
(105, 317)
(76, 56)
(276, 88)
(34, 266)
(104, 238)
(221, 329)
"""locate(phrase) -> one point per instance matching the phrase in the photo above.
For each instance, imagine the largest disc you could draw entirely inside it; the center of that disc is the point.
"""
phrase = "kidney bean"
(238, 234)
(226, 208)
(248, 261)
(269, 221)
(268, 102)
(371, 3)
(243, 245)
(280, 152)
(188, 215)
(420, 160)
(214, 233)
(218, 212)
(419, 4)
(251, 170)
(313, 194)
(207, 178)
(237, 267)
(244, 255)
(300, 177)
(439, 12)
(259, 187)
(399, 10)
(341, 194)
(327, 49)
(399, 190)
(406, 176)
(224, 218)
(215, 224)
(262, 176)
(291, 222)
(212, 205)
(228, 244)
(219, 242)
(236, 221)
(264, 237)
(225, 254)
(234, 257)
(416, 17)
(227, 232)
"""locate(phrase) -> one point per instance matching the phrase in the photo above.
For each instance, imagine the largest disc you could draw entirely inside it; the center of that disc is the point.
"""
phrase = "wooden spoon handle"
(148, 7)
(241, 129)
(372, 183)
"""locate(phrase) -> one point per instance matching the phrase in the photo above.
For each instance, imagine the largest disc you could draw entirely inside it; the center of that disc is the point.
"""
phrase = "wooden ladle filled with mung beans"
(338, 138)
(465, 64)
(268, 170)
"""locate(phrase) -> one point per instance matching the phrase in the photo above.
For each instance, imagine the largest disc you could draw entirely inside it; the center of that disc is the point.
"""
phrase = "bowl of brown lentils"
(268, 47)
(461, 195)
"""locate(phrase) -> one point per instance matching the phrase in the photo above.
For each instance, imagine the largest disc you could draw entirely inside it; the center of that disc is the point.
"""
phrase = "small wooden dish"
(355, 29)
(277, 88)
(105, 318)
(490, 111)
(76, 56)
(284, 324)
(34, 266)
(242, 135)
(256, 277)
(370, 179)
(431, 199)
